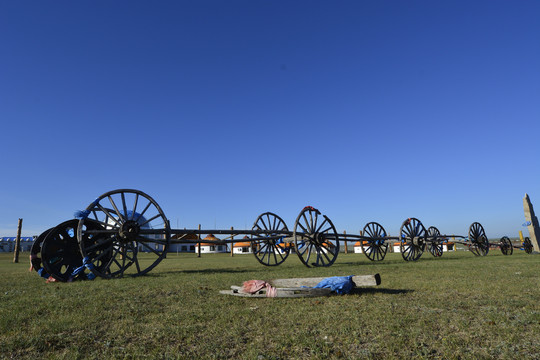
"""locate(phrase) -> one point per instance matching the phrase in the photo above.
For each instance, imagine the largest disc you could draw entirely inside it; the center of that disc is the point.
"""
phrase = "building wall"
(212, 249)
(190, 248)
(242, 250)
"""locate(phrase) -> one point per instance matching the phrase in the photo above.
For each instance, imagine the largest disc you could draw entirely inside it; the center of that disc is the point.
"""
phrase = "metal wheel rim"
(270, 252)
(412, 234)
(136, 236)
(375, 249)
(315, 237)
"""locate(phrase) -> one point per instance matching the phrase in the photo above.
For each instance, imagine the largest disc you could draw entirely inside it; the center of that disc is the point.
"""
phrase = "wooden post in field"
(199, 238)
(346, 249)
(232, 244)
(532, 221)
(165, 238)
(17, 242)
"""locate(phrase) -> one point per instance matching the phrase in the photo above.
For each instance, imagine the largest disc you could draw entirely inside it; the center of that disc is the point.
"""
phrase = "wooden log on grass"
(280, 292)
(301, 287)
(359, 280)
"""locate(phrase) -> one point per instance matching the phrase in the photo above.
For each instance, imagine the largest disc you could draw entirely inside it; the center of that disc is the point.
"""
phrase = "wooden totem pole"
(532, 223)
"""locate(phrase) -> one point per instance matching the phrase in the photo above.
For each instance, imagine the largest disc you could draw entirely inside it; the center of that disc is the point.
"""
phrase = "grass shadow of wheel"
(392, 261)
(362, 291)
(205, 271)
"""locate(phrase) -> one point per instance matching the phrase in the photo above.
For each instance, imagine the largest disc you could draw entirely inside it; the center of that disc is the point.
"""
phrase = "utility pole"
(232, 243)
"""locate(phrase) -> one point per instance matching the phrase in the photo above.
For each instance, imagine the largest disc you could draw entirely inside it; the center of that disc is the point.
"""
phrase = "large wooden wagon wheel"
(434, 241)
(60, 250)
(413, 239)
(506, 246)
(315, 238)
(272, 251)
(375, 247)
(527, 245)
(135, 237)
(479, 245)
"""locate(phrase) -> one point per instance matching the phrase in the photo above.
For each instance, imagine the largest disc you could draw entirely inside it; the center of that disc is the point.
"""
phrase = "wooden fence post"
(17, 242)
(199, 247)
(232, 243)
(165, 237)
(346, 248)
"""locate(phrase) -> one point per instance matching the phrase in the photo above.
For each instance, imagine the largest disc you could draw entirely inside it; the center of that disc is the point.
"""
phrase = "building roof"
(285, 245)
(13, 238)
(358, 243)
(184, 237)
(242, 244)
(215, 241)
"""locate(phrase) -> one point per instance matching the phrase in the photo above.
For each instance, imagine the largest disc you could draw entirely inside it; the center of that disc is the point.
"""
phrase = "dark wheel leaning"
(35, 251)
(375, 247)
(434, 241)
(527, 245)
(272, 251)
(135, 238)
(506, 246)
(315, 238)
(60, 250)
(479, 245)
(413, 239)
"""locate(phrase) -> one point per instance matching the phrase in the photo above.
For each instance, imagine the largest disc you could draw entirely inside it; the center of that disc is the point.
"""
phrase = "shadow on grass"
(362, 291)
(393, 261)
(204, 271)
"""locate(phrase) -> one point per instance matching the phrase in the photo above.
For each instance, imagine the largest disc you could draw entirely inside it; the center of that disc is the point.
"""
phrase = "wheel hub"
(130, 230)
(417, 241)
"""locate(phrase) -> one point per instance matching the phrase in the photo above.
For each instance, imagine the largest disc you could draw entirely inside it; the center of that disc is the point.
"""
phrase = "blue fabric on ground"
(86, 264)
(338, 284)
(91, 276)
(77, 271)
(43, 274)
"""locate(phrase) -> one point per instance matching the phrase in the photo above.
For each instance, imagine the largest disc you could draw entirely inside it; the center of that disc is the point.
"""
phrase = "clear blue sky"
(221, 110)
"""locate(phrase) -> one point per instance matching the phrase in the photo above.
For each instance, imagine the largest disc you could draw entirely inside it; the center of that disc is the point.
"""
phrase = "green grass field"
(455, 307)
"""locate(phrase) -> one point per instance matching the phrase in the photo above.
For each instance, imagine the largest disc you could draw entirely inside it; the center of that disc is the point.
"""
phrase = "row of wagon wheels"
(107, 238)
(414, 238)
(316, 241)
